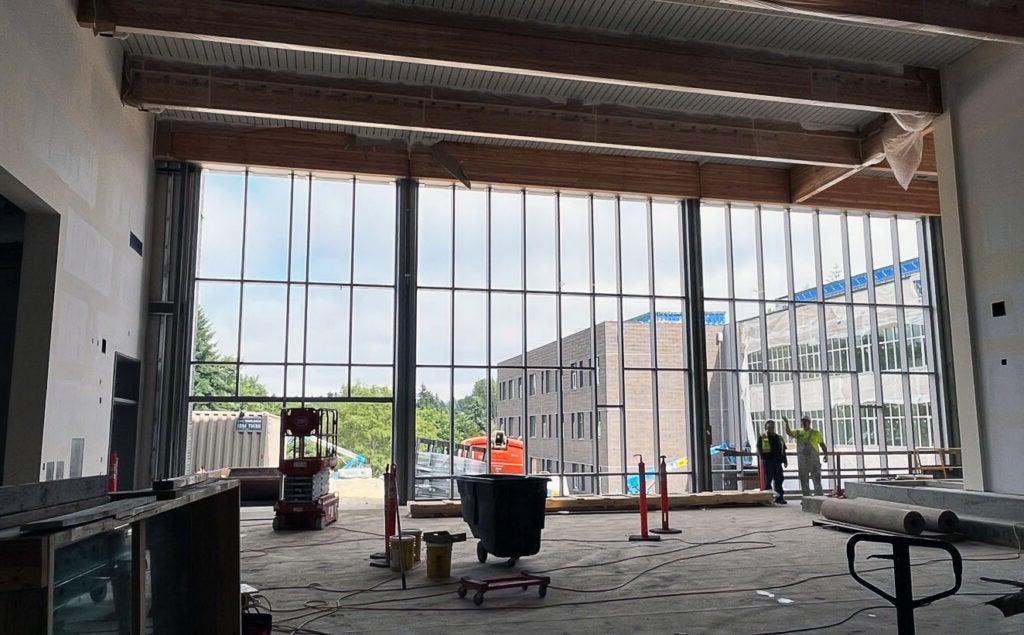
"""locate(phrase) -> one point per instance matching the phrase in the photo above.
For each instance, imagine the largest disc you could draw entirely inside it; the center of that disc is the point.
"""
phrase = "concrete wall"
(984, 95)
(71, 154)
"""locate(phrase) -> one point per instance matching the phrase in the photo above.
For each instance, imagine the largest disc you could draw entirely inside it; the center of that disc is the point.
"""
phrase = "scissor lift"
(308, 454)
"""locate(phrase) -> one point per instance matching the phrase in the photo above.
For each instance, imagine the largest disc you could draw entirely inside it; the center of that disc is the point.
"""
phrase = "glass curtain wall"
(295, 304)
(549, 338)
(822, 314)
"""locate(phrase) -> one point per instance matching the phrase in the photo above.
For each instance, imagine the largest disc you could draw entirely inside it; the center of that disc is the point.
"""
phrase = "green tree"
(214, 376)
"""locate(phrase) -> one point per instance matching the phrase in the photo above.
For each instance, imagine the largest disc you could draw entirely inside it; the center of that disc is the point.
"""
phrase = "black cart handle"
(908, 541)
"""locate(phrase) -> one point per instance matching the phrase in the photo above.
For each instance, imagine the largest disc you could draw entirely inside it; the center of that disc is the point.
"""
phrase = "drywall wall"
(983, 93)
(79, 164)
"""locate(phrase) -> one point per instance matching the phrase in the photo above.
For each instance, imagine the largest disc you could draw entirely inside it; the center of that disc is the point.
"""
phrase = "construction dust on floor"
(731, 570)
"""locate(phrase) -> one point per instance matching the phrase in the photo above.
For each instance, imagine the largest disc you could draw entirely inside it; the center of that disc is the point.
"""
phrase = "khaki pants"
(809, 467)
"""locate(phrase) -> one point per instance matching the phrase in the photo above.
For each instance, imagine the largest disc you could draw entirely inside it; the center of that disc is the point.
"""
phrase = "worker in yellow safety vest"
(808, 462)
(772, 450)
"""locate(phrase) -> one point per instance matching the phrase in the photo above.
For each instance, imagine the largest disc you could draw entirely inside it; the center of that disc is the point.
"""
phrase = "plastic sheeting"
(905, 149)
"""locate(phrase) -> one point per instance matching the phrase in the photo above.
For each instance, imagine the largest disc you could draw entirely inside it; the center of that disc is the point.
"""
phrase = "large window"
(295, 305)
(535, 288)
(782, 281)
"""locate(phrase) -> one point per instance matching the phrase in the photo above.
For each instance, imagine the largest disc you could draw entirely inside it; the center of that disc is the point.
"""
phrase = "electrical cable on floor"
(822, 627)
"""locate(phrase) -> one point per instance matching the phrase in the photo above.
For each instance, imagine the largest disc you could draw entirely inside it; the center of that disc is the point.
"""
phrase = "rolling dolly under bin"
(523, 580)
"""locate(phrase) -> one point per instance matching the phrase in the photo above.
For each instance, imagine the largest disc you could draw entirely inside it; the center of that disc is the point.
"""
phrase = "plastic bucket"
(418, 547)
(439, 560)
(403, 551)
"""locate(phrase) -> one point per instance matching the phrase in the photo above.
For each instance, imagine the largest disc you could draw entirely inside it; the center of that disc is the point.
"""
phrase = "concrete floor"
(751, 584)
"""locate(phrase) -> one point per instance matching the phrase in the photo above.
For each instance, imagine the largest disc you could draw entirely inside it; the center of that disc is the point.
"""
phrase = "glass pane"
(541, 240)
(327, 324)
(804, 266)
(807, 338)
(719, 336)
(433, 433)
(574, 216)
(611, 435)
(470, 327)
(862, 340)
(296, 323)
(882, 259)
(750, 339)
(843, 423)
(858, 257)
(330, 230)
(220, 221)
(370, 439)
(259, 381)
(744, 252)
(471, 238)
(213, 380)
(894, 413)
(636, 332)
(434, 244)
(911, 237)
(640, 425)
(917, 344)
(373, 325)
(670, 334)
(216, 322)
(263, 322)
(541, 330)
(506, 239)
(507, 329)
(268, 209)
(326, 381)
(922, 412)
(371, 381)
(724, 416)
(471, 420)
(576, 333)
(833, 270)
(608, 361)
(890, 348)
(294, 378)
(773, 245)
(606, 261)
(300, 221)
(668, 250)
(714, 250)
(779, 357)
(837, 345)
(673, 420)
(635, 246)
(812, 404)
(433, 327)
(376, 202)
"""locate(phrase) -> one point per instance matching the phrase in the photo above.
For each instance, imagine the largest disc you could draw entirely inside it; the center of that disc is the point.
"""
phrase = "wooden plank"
(113, 509)
(21, 498)
(190, 479)
(744, 183)
(806, 181)
(21, 518)
(1001, 21)
(377, 31)
(452, 508)
(159, 85)
(881, 194)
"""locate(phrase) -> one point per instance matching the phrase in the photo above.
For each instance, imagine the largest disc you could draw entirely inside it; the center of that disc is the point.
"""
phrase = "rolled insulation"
(865, 514)
(944, 521)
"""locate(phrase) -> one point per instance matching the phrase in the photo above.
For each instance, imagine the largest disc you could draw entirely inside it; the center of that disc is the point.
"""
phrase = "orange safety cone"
(644, 535)
(663, 486)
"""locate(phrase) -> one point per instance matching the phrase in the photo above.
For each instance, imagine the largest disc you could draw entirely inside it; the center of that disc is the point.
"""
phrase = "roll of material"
(944, 521)
(865, 514)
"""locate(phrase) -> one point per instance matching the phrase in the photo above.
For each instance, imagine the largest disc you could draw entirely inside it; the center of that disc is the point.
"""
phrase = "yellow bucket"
(403, 552)
(418, 549)
(439, 560)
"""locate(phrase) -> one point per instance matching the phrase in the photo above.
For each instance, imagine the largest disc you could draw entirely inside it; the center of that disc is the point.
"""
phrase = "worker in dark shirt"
(772, 450)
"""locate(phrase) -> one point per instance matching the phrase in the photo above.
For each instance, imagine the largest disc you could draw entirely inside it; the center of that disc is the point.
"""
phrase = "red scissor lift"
(308, 453)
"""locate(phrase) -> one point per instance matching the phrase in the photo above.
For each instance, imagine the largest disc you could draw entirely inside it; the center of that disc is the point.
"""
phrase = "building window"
(519, 388)
(921, 421)
(838, 352)
(842, 417)
(864, 364)
(779, 358)
(889, 348)
(893, 424)
(755, 362)
(810, 360)
(533, 426)
(533, 384)
(869, 425)
(915, 347)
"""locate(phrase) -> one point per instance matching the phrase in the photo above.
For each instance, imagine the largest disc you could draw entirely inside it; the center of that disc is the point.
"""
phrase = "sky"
(351, 240)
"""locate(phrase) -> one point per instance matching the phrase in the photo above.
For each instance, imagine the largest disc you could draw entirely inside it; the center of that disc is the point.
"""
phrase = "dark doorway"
(12, 243)
(124, 419)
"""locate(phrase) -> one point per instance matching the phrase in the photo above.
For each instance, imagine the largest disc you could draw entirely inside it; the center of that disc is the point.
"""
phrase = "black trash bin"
(505, 511)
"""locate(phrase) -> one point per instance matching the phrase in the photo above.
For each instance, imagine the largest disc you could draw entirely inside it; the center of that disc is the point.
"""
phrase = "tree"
(214, 376)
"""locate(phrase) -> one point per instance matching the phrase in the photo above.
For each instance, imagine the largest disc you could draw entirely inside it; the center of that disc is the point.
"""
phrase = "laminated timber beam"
(320, 150)
(1000, 20)
(416, 35)
(159, 85)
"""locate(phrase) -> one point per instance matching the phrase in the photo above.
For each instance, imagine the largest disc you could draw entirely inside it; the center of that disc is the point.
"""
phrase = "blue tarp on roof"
(860, 282)
(711, 318)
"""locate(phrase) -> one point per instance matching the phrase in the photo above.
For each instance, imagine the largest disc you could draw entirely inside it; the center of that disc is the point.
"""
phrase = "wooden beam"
(317, 150)
(882, 194)
(1001, 20)
(158, 85)
(377, 31)
(333, 152)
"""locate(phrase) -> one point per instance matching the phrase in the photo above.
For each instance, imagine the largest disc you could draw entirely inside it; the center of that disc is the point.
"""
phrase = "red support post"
(663, 487)
(383, 559)
(112, 473)
(644, 535)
